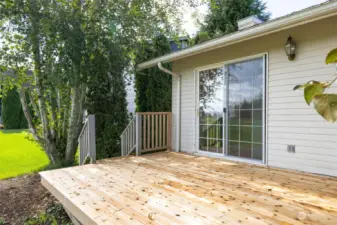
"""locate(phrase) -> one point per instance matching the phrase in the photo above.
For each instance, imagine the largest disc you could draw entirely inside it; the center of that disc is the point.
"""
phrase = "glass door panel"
(245, 108)
(233, 94)
(211, 116)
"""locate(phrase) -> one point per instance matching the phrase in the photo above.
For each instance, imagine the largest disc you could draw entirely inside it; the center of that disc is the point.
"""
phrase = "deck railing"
(128, 138)
(87, 141)
(148, 131)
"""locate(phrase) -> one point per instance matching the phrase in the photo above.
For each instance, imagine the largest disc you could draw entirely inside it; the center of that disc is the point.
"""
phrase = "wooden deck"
(174, 188)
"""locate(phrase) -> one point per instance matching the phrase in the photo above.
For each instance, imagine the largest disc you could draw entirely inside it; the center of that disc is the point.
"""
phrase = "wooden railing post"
(92, 137)
(169, 131)
(138, 134)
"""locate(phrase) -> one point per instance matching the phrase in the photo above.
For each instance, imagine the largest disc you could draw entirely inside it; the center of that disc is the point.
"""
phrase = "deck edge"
(69, 207)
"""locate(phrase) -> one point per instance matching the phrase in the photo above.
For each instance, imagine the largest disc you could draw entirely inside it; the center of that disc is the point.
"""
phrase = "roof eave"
(302, 17)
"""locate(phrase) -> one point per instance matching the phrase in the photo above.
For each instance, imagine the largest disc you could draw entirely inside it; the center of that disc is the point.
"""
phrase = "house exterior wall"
(289, 120)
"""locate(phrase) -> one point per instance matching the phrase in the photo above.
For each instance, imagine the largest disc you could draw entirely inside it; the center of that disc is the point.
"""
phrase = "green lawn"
(18, 155)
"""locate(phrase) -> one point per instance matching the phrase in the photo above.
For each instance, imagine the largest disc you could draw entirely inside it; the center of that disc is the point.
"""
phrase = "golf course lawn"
(18, 155)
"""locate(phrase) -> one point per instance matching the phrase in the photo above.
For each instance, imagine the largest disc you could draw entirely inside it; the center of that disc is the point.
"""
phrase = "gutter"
(311, 14)
(160, 66)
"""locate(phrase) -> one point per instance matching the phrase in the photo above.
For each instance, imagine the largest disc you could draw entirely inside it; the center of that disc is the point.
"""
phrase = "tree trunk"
(33, 102)
(73, 124)
(50, 145)
(28, 116)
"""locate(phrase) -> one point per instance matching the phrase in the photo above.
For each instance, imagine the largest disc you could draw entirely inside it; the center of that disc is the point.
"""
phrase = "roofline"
(311, 14)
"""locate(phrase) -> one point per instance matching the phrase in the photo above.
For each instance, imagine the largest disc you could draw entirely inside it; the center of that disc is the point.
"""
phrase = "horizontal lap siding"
(290, 121)
(174, 112)
(187, 128)
(187, 112)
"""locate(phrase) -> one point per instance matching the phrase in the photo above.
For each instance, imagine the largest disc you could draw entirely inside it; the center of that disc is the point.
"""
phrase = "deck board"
(176, 188)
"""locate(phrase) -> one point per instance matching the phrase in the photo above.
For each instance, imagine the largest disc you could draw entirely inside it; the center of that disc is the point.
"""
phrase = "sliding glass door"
(245, 108)
(211, 116)
(231, 109)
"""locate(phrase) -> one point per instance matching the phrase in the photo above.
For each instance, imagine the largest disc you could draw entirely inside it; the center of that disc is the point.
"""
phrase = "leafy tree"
(70, 46)
(200, 38)
(107, 100)
(224, 14)
(314, 92)
(153, 86)
(12, 114)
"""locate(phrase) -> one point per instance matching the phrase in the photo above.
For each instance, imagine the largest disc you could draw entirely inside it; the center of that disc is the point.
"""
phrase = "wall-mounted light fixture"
(290, 48)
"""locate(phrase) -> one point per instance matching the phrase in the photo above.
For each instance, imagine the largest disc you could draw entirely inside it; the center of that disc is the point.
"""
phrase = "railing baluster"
(152, 131)
(127, 139)
(169, 131)
(148, 132)
(134, 132)
(131, 136)
(144, 130)
(128, 133)
(156, 128)
(164, 131)
(160, 130)
(138, 130)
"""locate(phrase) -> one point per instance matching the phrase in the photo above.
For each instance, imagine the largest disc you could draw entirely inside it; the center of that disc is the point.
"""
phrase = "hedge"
(12, 114)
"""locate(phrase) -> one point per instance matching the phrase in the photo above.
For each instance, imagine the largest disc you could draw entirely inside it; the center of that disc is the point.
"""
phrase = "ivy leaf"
(326, 106)
(331, 57)
(310, 91)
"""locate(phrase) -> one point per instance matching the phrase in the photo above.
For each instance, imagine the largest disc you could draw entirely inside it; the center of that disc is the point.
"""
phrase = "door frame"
(224, 65)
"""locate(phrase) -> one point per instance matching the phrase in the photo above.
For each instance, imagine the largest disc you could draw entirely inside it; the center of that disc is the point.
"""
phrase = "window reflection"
(245, 83)
(211, 100)
(245, 109)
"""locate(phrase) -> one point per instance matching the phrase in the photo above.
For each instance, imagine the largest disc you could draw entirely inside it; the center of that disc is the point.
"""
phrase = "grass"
(54, 215)
(19, 155)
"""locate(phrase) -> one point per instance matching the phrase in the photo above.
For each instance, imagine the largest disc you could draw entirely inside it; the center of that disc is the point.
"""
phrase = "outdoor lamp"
(290, 48)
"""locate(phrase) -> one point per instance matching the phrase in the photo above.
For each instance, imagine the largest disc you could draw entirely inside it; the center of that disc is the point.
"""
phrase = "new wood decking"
(175, 188)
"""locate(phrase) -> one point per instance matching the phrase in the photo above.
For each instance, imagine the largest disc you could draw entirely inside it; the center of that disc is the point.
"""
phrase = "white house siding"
(131, 95)
(289, 120)
(174, 112)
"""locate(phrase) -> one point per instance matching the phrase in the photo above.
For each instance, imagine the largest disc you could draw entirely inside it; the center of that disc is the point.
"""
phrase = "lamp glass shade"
(290, 48)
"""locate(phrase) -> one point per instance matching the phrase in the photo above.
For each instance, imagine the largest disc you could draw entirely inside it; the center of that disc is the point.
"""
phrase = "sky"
(276, 7)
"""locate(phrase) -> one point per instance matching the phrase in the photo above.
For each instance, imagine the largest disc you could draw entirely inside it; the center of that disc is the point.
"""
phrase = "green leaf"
(311, 90)
(331, 57)
(326, 106)
(299, 87)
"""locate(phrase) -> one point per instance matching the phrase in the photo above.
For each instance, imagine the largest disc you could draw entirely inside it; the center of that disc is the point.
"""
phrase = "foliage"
(314, 92)
(153, 87)
(107, 100)
(19, 155)
(2, 221)
(12, 114)
(224, 14)
(200, 38)
(331, 57)
(59, 51)
(54, 215)
(0, 110)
